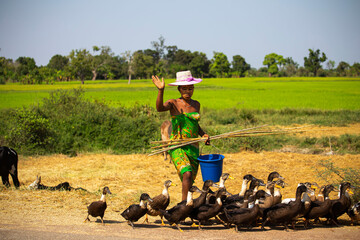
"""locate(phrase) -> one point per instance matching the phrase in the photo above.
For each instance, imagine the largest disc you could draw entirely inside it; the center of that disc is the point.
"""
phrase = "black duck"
(245, 216)
(97, 208)
(319, 209)
(211, 195)
(182, 210)
(284, 213)
(206, 211)
(240, 197)
(159, 202)
(135, 211)
(341, 205)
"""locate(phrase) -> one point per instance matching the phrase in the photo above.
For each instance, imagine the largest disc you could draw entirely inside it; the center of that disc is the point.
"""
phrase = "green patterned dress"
(185, 158)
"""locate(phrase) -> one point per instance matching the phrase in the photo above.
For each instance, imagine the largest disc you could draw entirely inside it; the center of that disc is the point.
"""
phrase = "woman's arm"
(201, 132)
(204, 135)
(160, 84)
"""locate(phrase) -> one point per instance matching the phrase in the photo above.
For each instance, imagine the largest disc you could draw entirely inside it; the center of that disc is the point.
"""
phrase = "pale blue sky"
(251, 28)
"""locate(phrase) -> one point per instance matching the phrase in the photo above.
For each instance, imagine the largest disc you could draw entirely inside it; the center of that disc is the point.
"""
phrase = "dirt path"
(120, 230)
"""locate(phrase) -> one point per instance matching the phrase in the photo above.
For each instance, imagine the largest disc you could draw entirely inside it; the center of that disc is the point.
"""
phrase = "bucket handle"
(218, 150)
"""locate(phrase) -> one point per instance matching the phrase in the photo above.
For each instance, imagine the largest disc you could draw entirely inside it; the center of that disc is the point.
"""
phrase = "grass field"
(248, 93)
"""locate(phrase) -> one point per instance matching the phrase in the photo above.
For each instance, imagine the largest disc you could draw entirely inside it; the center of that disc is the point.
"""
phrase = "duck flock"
(249, 208)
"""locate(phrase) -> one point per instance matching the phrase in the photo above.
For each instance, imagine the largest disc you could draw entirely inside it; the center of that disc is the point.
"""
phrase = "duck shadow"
(108, 221)
(145, 225)
(282, 228)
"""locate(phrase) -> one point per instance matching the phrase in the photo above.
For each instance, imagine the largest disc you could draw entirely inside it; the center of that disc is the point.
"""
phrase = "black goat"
(8, 165)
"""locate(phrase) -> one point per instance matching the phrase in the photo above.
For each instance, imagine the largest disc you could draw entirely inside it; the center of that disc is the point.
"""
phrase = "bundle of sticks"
(263, 130)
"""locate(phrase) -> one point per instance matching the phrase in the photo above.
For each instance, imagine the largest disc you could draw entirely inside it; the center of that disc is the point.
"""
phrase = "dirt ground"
(42, 214)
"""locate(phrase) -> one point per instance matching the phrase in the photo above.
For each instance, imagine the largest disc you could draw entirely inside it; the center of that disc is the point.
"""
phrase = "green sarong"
(185, 159)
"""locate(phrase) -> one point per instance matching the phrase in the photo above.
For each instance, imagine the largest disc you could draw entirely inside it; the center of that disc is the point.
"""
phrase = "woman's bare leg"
(186, 184)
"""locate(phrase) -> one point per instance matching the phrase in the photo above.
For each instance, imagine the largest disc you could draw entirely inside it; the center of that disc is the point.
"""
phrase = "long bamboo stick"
(229, 135)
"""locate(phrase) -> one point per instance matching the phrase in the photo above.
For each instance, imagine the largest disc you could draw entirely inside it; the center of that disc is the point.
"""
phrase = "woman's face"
(186, 91)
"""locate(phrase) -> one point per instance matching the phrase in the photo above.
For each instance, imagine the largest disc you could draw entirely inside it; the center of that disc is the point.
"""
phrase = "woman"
(185, 114)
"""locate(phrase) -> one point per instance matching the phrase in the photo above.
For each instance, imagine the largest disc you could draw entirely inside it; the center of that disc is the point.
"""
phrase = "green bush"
(66, 122)
(29, 131)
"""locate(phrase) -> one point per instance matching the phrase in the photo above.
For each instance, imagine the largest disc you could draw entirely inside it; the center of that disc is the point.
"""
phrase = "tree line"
(165, 61)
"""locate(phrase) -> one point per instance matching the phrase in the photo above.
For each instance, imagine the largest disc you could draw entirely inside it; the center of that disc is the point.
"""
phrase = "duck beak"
(315, 184)
(350, 191)
(262, 184)
(230, 177)
(150, 200)
(173, 184)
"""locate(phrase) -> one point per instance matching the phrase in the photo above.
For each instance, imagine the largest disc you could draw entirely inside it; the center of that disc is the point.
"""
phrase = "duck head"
(145, 197)
(169, 183)
(248, 177)
(223, 178)
(209, 183)
(106, 190)
(194, 189)
(274, 175)
(255, 183)
(261, 194)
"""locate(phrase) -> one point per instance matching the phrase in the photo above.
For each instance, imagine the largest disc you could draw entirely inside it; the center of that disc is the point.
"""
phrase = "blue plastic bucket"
(211, 166)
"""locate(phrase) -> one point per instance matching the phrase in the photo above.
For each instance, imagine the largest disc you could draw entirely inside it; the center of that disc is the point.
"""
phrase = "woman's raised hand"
(160, 84)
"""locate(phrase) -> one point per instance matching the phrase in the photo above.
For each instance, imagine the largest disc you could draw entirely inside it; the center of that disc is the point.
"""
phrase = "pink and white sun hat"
(185, 78)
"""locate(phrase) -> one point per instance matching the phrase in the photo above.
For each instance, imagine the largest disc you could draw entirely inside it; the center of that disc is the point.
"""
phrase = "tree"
(342, 68)
(199, 65)
(313, 62)
(7, 69)
(239, 65)
(171, 52)
(273, 62)
(330, 65)
(128, 59)
(142, 65)
(58, 62)
(290, 67)
(355, 69)
(47, 74)
(159, 49)
(24, 66)
(80, 64)
(178, 60)
(99, 61)
(183, 57)
(220, 65)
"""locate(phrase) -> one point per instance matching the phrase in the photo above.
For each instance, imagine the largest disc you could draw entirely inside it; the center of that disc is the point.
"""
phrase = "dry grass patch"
(128, 176)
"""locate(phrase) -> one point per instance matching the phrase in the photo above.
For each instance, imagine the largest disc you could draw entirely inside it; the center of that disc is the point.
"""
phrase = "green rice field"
(214, 93)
